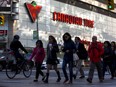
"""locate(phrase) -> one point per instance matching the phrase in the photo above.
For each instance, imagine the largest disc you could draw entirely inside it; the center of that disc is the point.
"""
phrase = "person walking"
(113, 47)
(52, 50)
(38, 54)
(95, 52)
(68, 49)
(82, 54)
(107, 59)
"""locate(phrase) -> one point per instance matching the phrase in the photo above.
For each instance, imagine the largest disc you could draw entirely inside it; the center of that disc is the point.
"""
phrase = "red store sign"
(3, 32)
(72, 19)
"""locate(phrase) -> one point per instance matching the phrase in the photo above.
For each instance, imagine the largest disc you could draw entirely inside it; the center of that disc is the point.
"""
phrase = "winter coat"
(15, 45)
(107, 56)
(52, 53)
(82, 53)
(95, 51)
(38, 54)
(69, 45)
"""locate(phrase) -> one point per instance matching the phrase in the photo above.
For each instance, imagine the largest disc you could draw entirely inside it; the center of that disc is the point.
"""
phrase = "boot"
(47, 76)
(59, 78)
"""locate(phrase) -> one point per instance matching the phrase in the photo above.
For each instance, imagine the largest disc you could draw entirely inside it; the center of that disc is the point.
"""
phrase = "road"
(21, 81)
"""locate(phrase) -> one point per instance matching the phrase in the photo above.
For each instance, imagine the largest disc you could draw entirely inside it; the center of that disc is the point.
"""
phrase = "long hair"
(54, 40)
(40, 42)
(67, 35)
(108, 43)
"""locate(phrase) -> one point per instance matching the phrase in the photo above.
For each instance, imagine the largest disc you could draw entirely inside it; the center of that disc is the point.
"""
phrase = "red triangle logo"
(33, 11)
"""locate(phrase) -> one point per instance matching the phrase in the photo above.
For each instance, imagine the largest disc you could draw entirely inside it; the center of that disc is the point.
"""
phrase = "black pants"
(109, 64)
(38, 70)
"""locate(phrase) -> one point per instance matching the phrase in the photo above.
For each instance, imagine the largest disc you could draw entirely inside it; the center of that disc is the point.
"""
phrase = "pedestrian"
(68, 49)
(107, 59)
(113, 47)
(95, 52)
(82, 54)
(52, 61)
(38, 54)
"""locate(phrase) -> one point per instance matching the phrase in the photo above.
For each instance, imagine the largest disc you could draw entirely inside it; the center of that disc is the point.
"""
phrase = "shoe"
(35, 80)
(112, 78)
(81, 77)
(74, 76)
(101, 80)
(45, 81)
(89, 80)
(69, 82)
(43, 78)
(65, 81)
(58, 80)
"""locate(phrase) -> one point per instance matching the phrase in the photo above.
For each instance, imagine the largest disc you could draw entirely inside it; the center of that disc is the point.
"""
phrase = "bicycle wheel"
(10, 70)
(27, 70)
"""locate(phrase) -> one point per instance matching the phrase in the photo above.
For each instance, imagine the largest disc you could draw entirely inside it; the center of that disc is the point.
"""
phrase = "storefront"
(55, 18)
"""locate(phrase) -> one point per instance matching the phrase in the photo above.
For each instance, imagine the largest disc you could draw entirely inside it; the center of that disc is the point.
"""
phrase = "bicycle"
(13, 68)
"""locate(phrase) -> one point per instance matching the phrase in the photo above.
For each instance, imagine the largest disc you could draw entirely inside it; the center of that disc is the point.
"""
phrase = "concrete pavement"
(21, 81)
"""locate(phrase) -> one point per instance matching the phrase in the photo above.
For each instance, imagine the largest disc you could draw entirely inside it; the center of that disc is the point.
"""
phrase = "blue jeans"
(64, 66)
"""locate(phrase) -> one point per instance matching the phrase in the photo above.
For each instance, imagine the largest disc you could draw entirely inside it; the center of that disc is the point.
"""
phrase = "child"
(38, 54)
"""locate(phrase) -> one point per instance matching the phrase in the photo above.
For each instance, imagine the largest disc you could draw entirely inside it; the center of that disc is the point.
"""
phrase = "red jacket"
(95, 51)
(38, 54)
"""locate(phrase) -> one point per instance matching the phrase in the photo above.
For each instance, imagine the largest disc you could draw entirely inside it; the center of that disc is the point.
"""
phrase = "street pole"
(37, 28)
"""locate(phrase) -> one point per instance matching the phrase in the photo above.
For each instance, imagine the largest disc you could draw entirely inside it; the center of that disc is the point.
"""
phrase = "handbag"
(75, 57)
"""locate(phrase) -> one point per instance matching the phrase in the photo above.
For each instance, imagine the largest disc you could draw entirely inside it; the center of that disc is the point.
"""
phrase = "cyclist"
(15, 45)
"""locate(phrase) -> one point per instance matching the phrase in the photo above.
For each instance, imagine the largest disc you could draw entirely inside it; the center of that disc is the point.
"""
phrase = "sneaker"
(45, 81)
(43, 78)
(112, 78)
(65, 81)
(89, 80)
(101, 80)
(81, 77)
(58, 80)
(69, 82)
(35, 80)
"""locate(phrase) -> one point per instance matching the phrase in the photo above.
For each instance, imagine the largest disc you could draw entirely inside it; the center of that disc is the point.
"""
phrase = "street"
(21, 81)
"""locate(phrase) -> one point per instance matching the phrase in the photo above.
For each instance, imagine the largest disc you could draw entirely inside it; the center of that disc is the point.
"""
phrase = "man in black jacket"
(15, 45)
(82, 54)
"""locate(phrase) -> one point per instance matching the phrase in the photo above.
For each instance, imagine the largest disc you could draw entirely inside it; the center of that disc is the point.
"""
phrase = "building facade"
(77, 21)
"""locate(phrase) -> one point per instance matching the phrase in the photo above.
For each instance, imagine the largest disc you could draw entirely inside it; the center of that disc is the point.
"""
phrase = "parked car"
(2, 62)
(44, 65)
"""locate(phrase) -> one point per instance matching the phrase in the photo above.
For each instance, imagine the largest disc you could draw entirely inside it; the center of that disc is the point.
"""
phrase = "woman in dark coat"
(68, 49)
(52, 49)
(107, 58)
(113, 47)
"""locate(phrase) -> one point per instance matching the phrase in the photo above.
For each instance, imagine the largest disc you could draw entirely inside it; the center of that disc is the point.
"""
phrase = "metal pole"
(37, 28)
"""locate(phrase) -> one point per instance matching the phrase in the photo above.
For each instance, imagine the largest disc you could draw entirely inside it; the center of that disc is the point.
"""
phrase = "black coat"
(69, 45)
(81, 51)
(52, 54)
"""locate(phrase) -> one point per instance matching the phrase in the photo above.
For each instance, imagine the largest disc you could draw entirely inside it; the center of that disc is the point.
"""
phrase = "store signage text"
(3, 32)
(72, 19)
